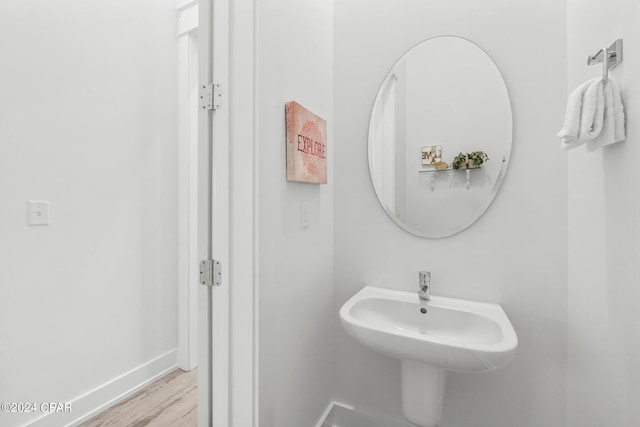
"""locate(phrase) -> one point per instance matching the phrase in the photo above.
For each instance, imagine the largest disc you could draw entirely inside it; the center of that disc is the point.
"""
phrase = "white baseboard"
(342, 415)
(112, 392)
(327, 415)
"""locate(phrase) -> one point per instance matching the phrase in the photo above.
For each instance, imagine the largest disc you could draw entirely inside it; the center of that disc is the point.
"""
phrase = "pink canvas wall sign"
(306, 145)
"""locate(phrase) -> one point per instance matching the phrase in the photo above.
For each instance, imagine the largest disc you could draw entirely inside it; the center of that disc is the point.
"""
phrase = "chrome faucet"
(424, 286)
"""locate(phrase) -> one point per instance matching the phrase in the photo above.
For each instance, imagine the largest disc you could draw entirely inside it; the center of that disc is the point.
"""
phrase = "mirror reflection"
(440, 137)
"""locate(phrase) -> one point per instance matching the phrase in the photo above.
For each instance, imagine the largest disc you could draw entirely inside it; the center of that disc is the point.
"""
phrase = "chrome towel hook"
(610, 57)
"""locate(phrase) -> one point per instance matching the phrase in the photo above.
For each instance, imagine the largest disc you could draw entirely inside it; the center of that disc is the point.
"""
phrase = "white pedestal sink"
(454, 334)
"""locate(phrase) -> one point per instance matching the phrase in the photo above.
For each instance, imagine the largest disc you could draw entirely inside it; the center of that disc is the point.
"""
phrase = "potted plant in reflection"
(471, 160)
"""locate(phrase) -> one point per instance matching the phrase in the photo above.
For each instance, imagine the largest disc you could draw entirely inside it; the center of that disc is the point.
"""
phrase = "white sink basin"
(454, 334)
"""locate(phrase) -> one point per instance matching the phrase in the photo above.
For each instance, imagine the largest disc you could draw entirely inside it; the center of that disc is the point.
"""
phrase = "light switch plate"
(37, 212)
(304, 214)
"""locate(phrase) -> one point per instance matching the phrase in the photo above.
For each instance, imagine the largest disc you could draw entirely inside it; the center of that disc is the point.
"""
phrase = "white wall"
(604, 233)
(294, 62)
(87, 122)
(516, 254)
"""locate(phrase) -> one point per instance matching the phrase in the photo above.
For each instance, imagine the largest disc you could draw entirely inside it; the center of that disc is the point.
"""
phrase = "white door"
(213, 219)
(226, 146)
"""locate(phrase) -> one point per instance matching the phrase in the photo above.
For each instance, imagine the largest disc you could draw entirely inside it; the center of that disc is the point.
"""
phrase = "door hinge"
(210, 96)
(210, 272)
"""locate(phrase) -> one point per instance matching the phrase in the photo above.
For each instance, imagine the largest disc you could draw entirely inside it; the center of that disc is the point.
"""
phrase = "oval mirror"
(440, 137)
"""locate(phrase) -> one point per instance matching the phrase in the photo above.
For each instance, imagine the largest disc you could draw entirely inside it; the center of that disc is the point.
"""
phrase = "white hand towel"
(613, 123)
(592, 115)
(570, 132)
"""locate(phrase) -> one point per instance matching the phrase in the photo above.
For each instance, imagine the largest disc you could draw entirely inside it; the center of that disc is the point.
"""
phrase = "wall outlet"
(37, 212)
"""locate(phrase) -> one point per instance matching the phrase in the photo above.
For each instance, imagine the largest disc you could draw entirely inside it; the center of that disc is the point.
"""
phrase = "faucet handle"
(424, 291)
(424, 277)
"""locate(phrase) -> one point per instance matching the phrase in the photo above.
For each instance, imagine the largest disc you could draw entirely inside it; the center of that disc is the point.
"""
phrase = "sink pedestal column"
(422, 393)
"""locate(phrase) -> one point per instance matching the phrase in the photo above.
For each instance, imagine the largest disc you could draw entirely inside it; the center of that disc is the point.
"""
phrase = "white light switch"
(37, 213)
(304, 214)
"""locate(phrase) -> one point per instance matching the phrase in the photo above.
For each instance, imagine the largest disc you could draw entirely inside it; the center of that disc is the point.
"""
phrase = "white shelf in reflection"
(452, 177)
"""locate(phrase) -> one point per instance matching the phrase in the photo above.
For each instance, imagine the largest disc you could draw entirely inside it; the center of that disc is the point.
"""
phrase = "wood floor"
(170, 401)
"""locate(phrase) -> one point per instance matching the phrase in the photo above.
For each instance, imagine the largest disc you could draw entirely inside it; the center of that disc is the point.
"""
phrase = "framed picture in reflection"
(431, 154)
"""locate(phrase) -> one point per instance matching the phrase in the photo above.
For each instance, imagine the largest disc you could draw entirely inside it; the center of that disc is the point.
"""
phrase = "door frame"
(187, 184)
(243, 66)
(227, 376)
